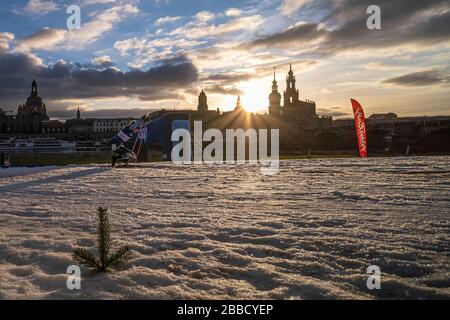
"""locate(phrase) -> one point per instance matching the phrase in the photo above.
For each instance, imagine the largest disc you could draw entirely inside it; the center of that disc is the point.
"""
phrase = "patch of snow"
(225, 231)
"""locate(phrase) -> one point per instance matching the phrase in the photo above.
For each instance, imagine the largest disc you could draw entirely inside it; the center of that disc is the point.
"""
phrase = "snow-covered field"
(198, 231)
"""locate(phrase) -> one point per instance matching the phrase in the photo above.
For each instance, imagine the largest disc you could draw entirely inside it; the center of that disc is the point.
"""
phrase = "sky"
(133, 56)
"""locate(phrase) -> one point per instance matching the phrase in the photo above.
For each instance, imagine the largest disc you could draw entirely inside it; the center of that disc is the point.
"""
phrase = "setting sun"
(255, 95)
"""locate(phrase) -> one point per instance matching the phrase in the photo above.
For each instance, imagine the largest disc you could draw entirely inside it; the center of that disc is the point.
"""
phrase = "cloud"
(288, 7)
(204, 16)
(146, 50)
(164, 20)
(301, 33)
(43, 39)
(200, 29)
(404, 23)
(229, 78)
(233, 12)
(103, 61)
(218, 89)
(174, 42)
(99, 24)
(125, 46)
(5, 40)
(92, 2)
(419, 79)
(381, 66)
(64, 80)
(38, 7)
(59, 39)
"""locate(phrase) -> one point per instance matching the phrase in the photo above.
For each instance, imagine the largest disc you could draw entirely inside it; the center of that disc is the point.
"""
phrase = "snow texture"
(200, 231)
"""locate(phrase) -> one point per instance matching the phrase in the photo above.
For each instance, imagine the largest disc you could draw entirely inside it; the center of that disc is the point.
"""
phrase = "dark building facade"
(30, 115)
(294, 108)
(295, 113)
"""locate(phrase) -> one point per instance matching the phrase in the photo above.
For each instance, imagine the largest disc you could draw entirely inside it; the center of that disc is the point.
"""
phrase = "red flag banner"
(360, 123)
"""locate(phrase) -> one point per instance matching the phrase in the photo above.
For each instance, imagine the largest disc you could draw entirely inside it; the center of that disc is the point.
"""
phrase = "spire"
(290, 79)
(275, 98)
(291, 73)
(274, 83)
(34, 87)
(78, 113)
(238, 104)
(291, 95)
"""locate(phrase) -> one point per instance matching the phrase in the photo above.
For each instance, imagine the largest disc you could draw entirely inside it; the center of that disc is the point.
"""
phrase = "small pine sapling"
(104, 243)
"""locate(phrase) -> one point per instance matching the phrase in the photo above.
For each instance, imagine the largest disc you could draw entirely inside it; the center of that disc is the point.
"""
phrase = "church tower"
(238, 105)
(34, 104)
(34, 88)
(202, 102)
(32, 113)
(291, 95)
(275, 98)
(78, 114)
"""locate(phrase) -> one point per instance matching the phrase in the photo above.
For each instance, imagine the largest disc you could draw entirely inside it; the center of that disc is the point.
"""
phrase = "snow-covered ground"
(227, 232)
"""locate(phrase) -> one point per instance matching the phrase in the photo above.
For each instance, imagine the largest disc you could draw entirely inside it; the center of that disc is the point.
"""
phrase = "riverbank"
(62, 159)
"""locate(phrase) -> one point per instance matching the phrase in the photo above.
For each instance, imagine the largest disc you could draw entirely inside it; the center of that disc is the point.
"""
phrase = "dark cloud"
(418, 79)
(231, 78)
(102, 65)
(228, 78)
(72, 81)
(161, 94)
(304, 32)
(218, 89)
(403, 22)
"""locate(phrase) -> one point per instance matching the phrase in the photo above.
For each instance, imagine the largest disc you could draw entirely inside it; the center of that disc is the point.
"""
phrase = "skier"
(121, 154)
(7, 163)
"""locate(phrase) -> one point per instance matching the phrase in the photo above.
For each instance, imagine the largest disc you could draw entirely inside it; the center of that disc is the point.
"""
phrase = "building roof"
(52, 123)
